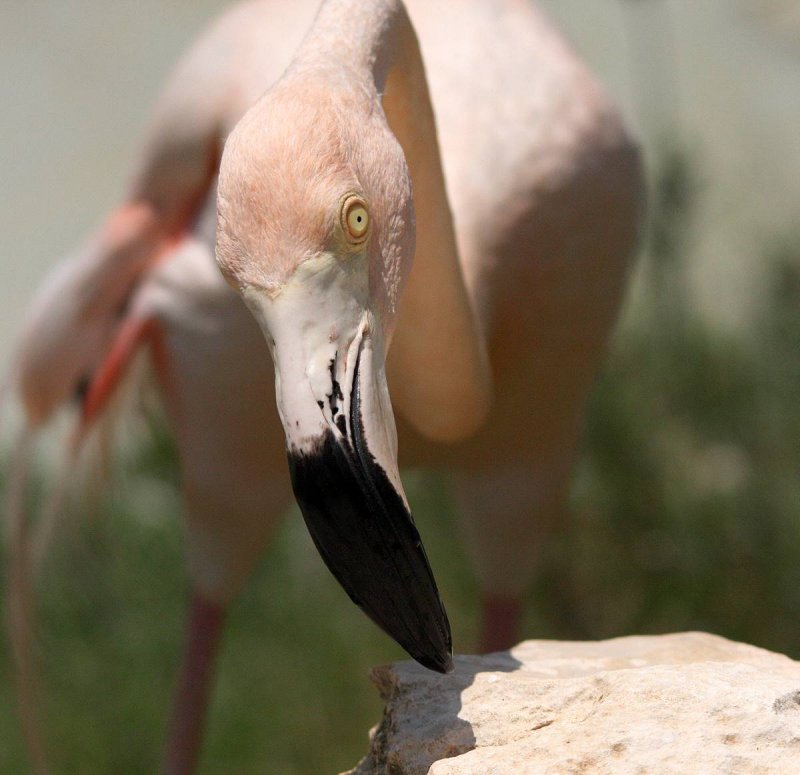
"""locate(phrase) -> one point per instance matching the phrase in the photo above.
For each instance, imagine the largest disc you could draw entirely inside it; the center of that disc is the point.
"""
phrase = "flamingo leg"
(20, 605)
(203, 635)
(501, 622)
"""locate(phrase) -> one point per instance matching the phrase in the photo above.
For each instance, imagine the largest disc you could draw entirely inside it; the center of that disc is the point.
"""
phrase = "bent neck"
(361, 35)
(443, 383)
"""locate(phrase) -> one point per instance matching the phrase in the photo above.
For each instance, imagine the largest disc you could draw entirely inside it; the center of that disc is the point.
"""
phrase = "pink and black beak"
(332, 396)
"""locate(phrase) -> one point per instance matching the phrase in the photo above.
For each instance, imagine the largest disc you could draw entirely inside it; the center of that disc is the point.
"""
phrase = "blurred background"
(686, 500)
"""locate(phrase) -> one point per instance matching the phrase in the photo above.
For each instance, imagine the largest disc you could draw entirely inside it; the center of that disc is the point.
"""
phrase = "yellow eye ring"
(355, 219)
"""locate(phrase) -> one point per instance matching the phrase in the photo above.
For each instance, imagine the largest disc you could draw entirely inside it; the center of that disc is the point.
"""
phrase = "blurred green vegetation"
(686, 503)
(686, 514)
(292, 694)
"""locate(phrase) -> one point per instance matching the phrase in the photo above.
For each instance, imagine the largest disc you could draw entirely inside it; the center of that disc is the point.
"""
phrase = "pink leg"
(194, 687)
(21, 607)
(500, 626)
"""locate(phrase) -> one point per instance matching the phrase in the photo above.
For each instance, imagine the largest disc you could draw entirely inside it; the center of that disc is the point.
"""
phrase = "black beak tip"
(368, 540)
(439, 663)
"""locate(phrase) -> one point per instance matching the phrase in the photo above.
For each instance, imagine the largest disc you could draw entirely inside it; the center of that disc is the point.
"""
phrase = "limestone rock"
(683, 704)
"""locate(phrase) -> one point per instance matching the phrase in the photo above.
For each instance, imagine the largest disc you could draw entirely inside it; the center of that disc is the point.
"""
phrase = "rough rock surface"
(683, 704)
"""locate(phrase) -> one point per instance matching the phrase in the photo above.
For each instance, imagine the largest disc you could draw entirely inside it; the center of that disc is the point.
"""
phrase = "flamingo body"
(544, 188)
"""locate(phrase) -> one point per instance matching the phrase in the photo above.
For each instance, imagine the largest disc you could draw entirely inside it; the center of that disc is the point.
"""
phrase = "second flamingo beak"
(331, 390)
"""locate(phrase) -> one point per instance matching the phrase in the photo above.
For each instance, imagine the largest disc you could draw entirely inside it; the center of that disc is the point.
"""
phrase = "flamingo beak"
(333, 400)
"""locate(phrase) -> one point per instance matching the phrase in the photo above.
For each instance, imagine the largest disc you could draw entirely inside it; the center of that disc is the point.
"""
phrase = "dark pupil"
(358, 218)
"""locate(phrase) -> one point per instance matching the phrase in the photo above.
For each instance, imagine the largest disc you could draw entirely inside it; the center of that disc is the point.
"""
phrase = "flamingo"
(487, 157)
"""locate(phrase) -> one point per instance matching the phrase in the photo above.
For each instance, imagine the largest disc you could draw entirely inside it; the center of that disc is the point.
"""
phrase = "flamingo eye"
(355, 219)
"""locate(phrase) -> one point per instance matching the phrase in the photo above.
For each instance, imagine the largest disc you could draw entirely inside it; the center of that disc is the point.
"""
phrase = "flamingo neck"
(438, 365)
(359, 33)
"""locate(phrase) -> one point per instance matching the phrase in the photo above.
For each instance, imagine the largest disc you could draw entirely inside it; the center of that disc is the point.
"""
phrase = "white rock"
(683, 704)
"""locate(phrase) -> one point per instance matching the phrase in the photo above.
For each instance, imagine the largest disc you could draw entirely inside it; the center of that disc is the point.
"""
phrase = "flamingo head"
(316, 232)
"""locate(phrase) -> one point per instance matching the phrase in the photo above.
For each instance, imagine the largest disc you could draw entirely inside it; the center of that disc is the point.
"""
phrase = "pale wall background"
(78, 77)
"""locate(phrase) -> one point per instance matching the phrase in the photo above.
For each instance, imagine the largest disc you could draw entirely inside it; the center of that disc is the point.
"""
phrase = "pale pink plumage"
(545, 191)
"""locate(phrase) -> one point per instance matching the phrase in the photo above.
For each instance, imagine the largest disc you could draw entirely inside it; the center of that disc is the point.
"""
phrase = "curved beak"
(341, 444)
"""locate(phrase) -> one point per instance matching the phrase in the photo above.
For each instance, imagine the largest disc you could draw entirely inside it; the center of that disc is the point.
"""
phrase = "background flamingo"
(544, 186)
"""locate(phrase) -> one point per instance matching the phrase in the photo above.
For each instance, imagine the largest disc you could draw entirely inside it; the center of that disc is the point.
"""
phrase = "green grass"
(686, 508)
(685, 514)
(292, 694)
